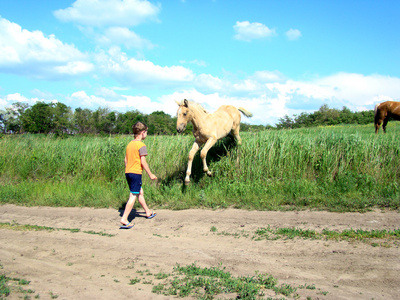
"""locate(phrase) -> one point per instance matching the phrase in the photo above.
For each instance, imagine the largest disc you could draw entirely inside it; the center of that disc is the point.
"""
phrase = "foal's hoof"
(187, 182)
(209, 174)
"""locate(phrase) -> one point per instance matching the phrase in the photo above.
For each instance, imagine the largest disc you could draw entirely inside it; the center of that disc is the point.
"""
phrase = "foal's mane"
(196, 107)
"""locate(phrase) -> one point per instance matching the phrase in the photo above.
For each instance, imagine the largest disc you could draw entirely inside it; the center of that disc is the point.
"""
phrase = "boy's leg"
(143, 203)
(128, 209)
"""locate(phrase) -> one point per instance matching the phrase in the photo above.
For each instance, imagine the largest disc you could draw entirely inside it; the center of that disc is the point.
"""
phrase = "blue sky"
(270, 57)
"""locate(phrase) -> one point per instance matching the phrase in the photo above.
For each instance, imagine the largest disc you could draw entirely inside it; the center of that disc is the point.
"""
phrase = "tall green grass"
(342, 168)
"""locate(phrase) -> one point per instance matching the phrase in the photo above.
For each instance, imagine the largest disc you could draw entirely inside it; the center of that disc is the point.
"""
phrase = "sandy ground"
(91, 266)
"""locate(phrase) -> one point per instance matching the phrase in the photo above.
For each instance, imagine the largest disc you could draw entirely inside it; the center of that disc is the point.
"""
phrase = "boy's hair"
(138, 127)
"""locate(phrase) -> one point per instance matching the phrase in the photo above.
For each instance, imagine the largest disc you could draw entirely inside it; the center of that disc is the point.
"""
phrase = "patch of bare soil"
(81, 265)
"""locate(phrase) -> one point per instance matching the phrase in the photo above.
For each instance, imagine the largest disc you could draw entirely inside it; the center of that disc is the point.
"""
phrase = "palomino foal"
(208, 128)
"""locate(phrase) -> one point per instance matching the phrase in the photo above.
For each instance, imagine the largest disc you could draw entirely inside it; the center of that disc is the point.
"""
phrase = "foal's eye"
(184, 114)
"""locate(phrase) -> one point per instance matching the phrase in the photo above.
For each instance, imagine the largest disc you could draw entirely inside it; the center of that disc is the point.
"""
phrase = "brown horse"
(207, 128)
(384, 111)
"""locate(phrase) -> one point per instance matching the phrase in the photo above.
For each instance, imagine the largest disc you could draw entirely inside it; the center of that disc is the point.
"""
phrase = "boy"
(135, 162)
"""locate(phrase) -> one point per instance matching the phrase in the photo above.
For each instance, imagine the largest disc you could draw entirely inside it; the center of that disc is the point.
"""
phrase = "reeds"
(342, 168)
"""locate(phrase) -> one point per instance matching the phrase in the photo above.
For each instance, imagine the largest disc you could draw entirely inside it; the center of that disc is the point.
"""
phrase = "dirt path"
(91, 266)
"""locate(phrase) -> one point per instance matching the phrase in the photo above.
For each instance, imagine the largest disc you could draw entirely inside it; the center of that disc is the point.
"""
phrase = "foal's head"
(184, 116)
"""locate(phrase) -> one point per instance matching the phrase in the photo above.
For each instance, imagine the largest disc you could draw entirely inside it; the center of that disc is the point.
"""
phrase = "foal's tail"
(245, 112)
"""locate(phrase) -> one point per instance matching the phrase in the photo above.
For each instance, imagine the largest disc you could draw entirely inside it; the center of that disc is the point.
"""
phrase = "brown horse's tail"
(245, 112)
(376, 109)
(376, 116)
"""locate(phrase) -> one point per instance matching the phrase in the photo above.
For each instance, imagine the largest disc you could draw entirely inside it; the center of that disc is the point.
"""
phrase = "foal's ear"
(186, 103)
(179, 103)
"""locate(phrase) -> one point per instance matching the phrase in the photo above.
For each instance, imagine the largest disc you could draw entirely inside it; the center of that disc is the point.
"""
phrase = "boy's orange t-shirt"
(134, 151)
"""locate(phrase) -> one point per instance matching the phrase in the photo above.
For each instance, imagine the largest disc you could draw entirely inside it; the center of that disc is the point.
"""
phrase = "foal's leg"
(192, 153)
(203, 154)
(235, 132)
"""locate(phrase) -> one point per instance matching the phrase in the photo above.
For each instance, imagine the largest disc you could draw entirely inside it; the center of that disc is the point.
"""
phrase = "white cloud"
(209, 83)
(250, 86)
(9, 99)
(124, 36)
(293, 34)
(108, 22)
(98, 13)
(246, 85)
(17, 97)
(74, 68)
(38, 56)
(87, 101)
(246, 31)
(146, 71)
(355, 91)
(196, 62)
(3, 103)
(140, 103)
(121, 103)
(362, 90)
(268, 76)
(42, 94)
(132, 72)
(108, 93)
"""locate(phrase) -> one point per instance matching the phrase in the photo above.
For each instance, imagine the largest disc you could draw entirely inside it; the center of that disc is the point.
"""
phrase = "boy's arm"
(146, 167)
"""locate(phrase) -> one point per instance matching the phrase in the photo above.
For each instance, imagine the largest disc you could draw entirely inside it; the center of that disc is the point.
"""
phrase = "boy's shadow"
(134, 213)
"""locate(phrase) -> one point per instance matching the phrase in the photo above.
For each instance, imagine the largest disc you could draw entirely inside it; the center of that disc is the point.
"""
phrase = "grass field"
(341, 168)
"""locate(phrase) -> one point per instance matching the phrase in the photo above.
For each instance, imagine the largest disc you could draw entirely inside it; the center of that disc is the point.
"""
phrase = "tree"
(304, 120)
(3, 121)
(327, 116)
(38, 118)
(99, 120)
(346, 116)
(82, 119)
(62, 118)
(109, 122)
(251, 128)
(10, 118)
(46, 118)
(160, 123)
(364, 117)
(285, 123)
(124, 122)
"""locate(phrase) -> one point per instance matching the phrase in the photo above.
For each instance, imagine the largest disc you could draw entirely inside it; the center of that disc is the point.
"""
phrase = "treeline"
(58, 118)
(326, 116)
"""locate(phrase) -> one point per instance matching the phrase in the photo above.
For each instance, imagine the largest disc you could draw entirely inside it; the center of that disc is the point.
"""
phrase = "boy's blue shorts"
(134, 182)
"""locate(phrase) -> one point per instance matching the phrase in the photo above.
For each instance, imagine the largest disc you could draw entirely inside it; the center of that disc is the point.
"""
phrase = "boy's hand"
(153, 177)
